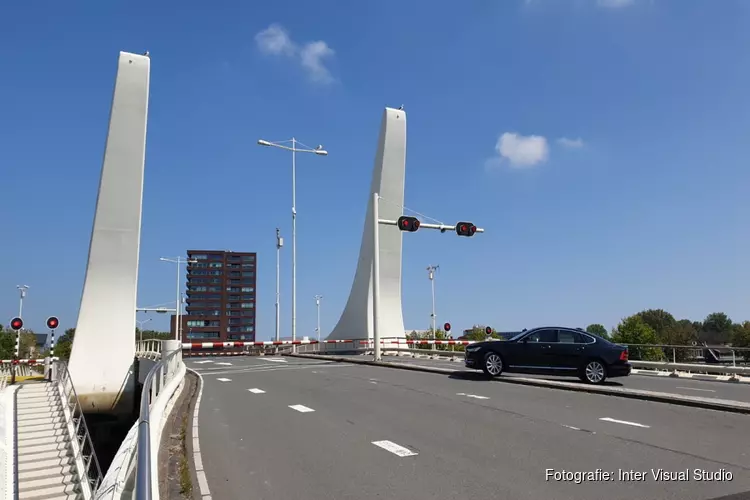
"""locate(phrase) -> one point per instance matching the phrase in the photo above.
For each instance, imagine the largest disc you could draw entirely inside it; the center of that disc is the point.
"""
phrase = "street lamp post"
(294, 149)
(22, 289)
(279, 244)
(317, 305)
(431, 274)
(140, 328)
(178, 304)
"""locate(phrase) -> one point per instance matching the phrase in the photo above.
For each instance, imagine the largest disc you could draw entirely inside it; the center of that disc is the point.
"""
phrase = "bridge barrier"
(8, 463)
(134, 473)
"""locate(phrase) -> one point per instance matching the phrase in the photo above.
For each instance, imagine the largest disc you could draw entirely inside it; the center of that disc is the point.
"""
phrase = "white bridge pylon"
(374, 309)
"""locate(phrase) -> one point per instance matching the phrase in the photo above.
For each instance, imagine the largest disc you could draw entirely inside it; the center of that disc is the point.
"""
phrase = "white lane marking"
(571, 427)
(203, 362)
(624, 422)
(224, 379)
(395, 448)
(301, 408)
(277, 360)
(271, 368)
(471, 395)
(224, 364)
(694, 389)
(197, 458)
(257, 391)
(373, 382)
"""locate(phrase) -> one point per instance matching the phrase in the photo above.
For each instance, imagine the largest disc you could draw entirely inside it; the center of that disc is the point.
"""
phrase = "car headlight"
(473, 348)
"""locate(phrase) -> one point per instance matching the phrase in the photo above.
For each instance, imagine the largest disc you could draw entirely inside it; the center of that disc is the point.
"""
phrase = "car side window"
(546, 336)
(568, 337)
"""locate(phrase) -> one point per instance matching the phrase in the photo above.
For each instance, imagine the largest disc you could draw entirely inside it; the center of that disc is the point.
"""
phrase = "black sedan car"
(551, 350)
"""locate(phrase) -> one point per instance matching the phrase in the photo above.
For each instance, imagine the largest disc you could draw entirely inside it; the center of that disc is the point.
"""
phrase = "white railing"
(87, 465)
(159, 388)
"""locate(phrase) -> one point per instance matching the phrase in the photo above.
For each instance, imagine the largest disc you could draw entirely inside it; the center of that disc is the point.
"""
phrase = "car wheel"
(594, 372)
(493, 364)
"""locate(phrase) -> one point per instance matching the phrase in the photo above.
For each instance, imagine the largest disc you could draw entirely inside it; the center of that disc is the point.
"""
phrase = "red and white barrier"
(23, 361)
(366, 342)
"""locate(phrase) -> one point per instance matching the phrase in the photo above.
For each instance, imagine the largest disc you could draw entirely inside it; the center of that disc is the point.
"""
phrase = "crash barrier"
(134, 472)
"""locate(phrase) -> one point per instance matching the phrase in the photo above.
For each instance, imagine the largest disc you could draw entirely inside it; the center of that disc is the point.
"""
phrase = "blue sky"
(603, 146)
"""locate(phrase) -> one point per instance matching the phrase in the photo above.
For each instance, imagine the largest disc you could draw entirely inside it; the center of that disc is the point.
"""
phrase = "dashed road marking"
(394, 448)
(257, 391)
(277, 360)
(224, 363)
(471, 395)
(203, 362)
(571, 427)
(624, 422)
(224, 379)
(301, 408)
(695, 389)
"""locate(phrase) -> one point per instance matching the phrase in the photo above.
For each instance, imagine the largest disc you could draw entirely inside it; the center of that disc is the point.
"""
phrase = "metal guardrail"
(92, 472)
(663, 365)
(155, 381)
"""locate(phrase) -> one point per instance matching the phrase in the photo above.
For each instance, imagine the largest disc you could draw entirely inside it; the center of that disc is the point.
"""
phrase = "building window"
(248, 281)
(248, 258)
(248, 274)
(248, 289)
(241, 337)
(250, 313)
(234, 274)
(196, 289)
(197, 257)
(203, 335)
(216, 256)
(247, 305)
(235, 282)
(202, 323)
(248, 297)
(215, 273)
(214, 289)
(216, 264)
(234, 297)
(247, 321)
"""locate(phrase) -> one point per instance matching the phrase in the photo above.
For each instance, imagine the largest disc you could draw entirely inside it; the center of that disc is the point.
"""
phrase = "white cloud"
(312, 56)
(570, 143)
(614, 4)
(275, 41)
(522, 151)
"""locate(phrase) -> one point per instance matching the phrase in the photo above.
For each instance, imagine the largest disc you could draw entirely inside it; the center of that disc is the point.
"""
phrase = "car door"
(569, 350)
(537, 348)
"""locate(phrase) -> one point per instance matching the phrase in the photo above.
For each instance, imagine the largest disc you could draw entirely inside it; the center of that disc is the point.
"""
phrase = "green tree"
(741, 338)
(64, 344)
(633, 330)
(660, 322)
(28, 344)
(598, 329)
(717, 329)
(7, 343)
(682, 333)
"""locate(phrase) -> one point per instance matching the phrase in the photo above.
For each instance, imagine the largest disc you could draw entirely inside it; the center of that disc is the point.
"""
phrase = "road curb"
(659, 397)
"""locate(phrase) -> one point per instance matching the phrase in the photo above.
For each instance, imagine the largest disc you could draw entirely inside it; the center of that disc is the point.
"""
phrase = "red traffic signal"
(488, 330)
(16, 324)
(465, 229)
(407, 223)
(53, 322)
(447, 327)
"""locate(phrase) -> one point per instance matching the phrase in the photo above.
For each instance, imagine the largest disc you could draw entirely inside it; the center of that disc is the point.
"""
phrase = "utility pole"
(22, 289)
(279, 244)
(317, 305)
(431, 274)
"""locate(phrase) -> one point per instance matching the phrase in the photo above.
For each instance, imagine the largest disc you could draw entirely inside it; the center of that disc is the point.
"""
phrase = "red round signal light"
(16, 324)
(488, 330)
(405, 223)
(52, 322)
(447, 327)
(416, 223)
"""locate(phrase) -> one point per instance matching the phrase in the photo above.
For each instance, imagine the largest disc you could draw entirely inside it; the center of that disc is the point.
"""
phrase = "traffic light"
(16, 324)
(488, 330)
(465, 229)
(407, 223)
(53, 322)
(447, 327)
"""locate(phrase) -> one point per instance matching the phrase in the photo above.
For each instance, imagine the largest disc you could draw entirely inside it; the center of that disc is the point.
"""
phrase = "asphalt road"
(684, 386)
(461, 437)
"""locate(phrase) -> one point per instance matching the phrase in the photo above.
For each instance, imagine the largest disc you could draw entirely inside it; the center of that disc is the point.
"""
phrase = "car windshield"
(518, 336)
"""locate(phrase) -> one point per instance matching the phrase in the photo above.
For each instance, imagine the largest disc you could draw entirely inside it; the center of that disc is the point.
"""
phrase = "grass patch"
(186, 482)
